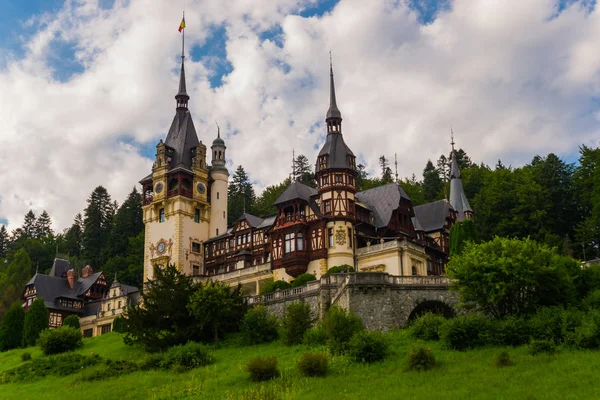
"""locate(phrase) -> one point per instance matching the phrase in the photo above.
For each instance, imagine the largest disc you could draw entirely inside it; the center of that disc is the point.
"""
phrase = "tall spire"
(452, 138)
(458, 199)
(333, 113)
(182, 96)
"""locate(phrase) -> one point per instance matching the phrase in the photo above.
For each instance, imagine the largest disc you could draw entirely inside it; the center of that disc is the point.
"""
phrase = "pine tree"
(11, 329)
(361, 176)
(241, 195)
(36, 320)
(28, 227)
(386, 171)
(127, 223)
(43, 225)
(432, 184)
(97, 225)
(73, 237)
(4, 242)
(304, 172)
(263, 205)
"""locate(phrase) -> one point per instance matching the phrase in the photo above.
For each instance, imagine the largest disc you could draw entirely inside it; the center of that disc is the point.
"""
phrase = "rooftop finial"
(182, 96)
(452, 137)
(115, 280)
(218, 130)
(333, 111)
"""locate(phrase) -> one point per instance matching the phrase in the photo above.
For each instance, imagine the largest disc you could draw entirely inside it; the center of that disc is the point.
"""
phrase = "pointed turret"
(182, 96)
(458, 199)
(333, 114)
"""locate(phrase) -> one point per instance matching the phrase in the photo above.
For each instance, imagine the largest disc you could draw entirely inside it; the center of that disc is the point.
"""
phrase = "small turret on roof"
(458, 199)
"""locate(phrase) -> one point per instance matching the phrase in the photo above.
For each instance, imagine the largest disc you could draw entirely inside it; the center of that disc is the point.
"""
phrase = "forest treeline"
(548, 200)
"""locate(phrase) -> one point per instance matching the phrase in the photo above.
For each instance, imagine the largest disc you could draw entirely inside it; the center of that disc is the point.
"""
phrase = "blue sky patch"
(63, 61)
(322, 7)
(3, 221)
(428, 10)
(213, 55)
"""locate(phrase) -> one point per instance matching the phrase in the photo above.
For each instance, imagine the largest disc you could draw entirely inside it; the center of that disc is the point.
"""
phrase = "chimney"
(87, 271)
(71, 278)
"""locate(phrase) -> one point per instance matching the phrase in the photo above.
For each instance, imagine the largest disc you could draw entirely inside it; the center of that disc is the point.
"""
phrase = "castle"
(185, 215)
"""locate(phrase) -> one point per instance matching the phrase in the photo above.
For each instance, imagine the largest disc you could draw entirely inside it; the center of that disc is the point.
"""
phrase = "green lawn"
(459, 375)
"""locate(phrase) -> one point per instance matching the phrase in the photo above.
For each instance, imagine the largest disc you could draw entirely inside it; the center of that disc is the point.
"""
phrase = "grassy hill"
(570, 374)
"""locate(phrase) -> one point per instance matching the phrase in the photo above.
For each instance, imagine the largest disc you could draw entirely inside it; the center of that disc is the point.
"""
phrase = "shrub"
(152, 361)
(427, 327)
(464, 332)
(420, 359)
(313, 364)
(263, 369)
(587, 336)
(538, 346)
(109, 369)
(259, 326)
(502, 360)
(297, 320)
(303, 279)
(26, 356)
(72, 321)
(11, 328)
(511, 331)
(36, 321)
(119, 324)
(270, 287)
(592, 300)
(59, 365)
(344, 268)
(65, 338)
(547, 323)
(187, 356)
(368, 347)
(340, 326)
(315, 336)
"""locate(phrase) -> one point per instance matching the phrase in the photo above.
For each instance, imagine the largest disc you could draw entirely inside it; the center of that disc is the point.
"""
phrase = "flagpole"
(183, 39)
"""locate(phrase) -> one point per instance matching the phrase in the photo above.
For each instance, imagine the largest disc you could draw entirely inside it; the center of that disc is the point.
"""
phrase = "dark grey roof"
(416, 224)
(432, 216)
(92, 308)
(147, 178)
(182, 92)
(83, 284)
(50, 287)
(334, 111)
(182, 138)
(296, 190)
(382, 201)
(267, 222)
(458, 199)
(60, 267)
(338, 152)
(254, 221)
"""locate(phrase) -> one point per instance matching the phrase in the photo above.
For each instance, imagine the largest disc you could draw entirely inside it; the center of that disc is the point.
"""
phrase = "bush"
(119, 324)
(187, 356)
(368, 347)
(303, 279)
(427, 327)
(344, 268)
(420, 359)
(592, 300)
(72, 321)
(538, 346)
(36, 321)
(263, 369)
(547, 323)
(297, 320)
(464, 332)
(110, 369)
(59, 365)
(26, 356)
(65, 338)
(511, 331)
(587, 336)
(11, 328)
(502, 360)
(259, 326)
(152, 361)
(339, 327)
(313, 364)
(270, 287)
(315, 336)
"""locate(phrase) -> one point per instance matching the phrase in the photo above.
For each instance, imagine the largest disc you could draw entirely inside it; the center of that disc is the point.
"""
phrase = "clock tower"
(176, 204)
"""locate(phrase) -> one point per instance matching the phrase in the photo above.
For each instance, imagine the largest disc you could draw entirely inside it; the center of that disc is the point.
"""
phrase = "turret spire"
(182, 96)
(458, 199)
(334, 116)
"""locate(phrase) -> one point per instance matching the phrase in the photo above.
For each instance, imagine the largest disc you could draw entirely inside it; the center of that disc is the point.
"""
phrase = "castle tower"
(218, 187)
(336, 183)
(175, 208)
(458, 199)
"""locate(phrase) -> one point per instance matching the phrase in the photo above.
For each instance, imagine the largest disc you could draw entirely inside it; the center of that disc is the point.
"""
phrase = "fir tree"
(303, 171)
(73, 237)
(432, 184)
(386, 171)
(241, 195)
(127, 223)
(361, 176)
(263, 205)
(29, 225)
(97, 223)
(43, 225)
(36, 320)
(4, 241)
(11, 329)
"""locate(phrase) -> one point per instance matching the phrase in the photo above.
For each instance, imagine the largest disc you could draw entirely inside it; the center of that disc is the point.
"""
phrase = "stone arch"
(432, 306)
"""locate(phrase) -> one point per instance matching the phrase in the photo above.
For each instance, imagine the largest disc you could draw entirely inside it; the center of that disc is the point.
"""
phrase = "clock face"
(159, 187)
(201, 188)
(161, 247)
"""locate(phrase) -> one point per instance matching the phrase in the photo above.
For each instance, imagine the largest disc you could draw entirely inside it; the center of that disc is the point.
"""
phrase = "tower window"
(327, 206)
(161, 215)
(325, 180)
(217, 195)
(195, 247)
(195, 269)
(330, 233)
(196, 215)
(350, 237)
(289, 243)
(217, 232)
(339, 178)
(299, 242)
(224, 214)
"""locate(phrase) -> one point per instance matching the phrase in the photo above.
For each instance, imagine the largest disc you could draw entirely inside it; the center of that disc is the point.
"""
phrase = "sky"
(87, 86)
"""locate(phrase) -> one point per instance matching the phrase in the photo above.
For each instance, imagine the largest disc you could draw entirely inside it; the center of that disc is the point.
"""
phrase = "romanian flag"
(182, 24)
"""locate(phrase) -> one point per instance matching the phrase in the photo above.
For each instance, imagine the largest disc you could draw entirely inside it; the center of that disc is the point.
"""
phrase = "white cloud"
(513, 78)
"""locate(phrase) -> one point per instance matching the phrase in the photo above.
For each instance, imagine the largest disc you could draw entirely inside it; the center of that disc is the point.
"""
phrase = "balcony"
(291, 219)
(386, 246)
(242, 273)
(180, 192)
(295, 262)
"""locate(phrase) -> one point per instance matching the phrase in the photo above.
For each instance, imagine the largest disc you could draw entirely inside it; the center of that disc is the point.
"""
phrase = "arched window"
(299, 241)
(414, 270)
